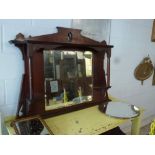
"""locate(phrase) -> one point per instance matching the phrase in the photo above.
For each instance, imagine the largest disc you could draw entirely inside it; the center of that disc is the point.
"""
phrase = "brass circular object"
(144, 70)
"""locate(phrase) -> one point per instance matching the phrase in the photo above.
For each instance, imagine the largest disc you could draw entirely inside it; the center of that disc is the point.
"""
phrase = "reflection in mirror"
(119, 110)
(106, 67)
(31, 126)
(68, 78)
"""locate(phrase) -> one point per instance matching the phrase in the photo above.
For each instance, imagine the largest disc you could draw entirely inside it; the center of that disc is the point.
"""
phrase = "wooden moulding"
(153, 32)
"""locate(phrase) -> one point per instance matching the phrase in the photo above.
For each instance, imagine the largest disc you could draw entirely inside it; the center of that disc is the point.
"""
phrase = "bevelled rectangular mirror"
(67, 78)
(31, 126)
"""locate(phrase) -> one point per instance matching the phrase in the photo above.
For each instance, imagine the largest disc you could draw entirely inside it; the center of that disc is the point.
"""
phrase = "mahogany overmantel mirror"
(64, 72)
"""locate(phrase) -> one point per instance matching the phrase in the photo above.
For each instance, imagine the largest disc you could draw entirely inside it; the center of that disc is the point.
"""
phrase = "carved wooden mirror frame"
(32, 93)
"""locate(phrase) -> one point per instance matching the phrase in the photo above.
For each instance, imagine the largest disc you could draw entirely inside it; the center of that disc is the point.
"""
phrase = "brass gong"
(144, 70)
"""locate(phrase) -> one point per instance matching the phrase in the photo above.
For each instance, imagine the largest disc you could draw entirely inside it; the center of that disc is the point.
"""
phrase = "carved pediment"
(65, 36)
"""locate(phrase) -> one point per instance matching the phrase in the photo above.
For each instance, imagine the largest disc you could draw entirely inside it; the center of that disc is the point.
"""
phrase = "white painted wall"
(131, 40)
(96, 29)
(0, 125)
(11, 64)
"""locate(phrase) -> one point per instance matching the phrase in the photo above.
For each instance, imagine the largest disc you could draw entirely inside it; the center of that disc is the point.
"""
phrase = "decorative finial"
(20, 37)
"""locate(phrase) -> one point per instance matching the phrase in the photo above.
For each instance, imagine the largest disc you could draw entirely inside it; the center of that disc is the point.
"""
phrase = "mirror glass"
(31, 127)
(68, 78)
(119, 110)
